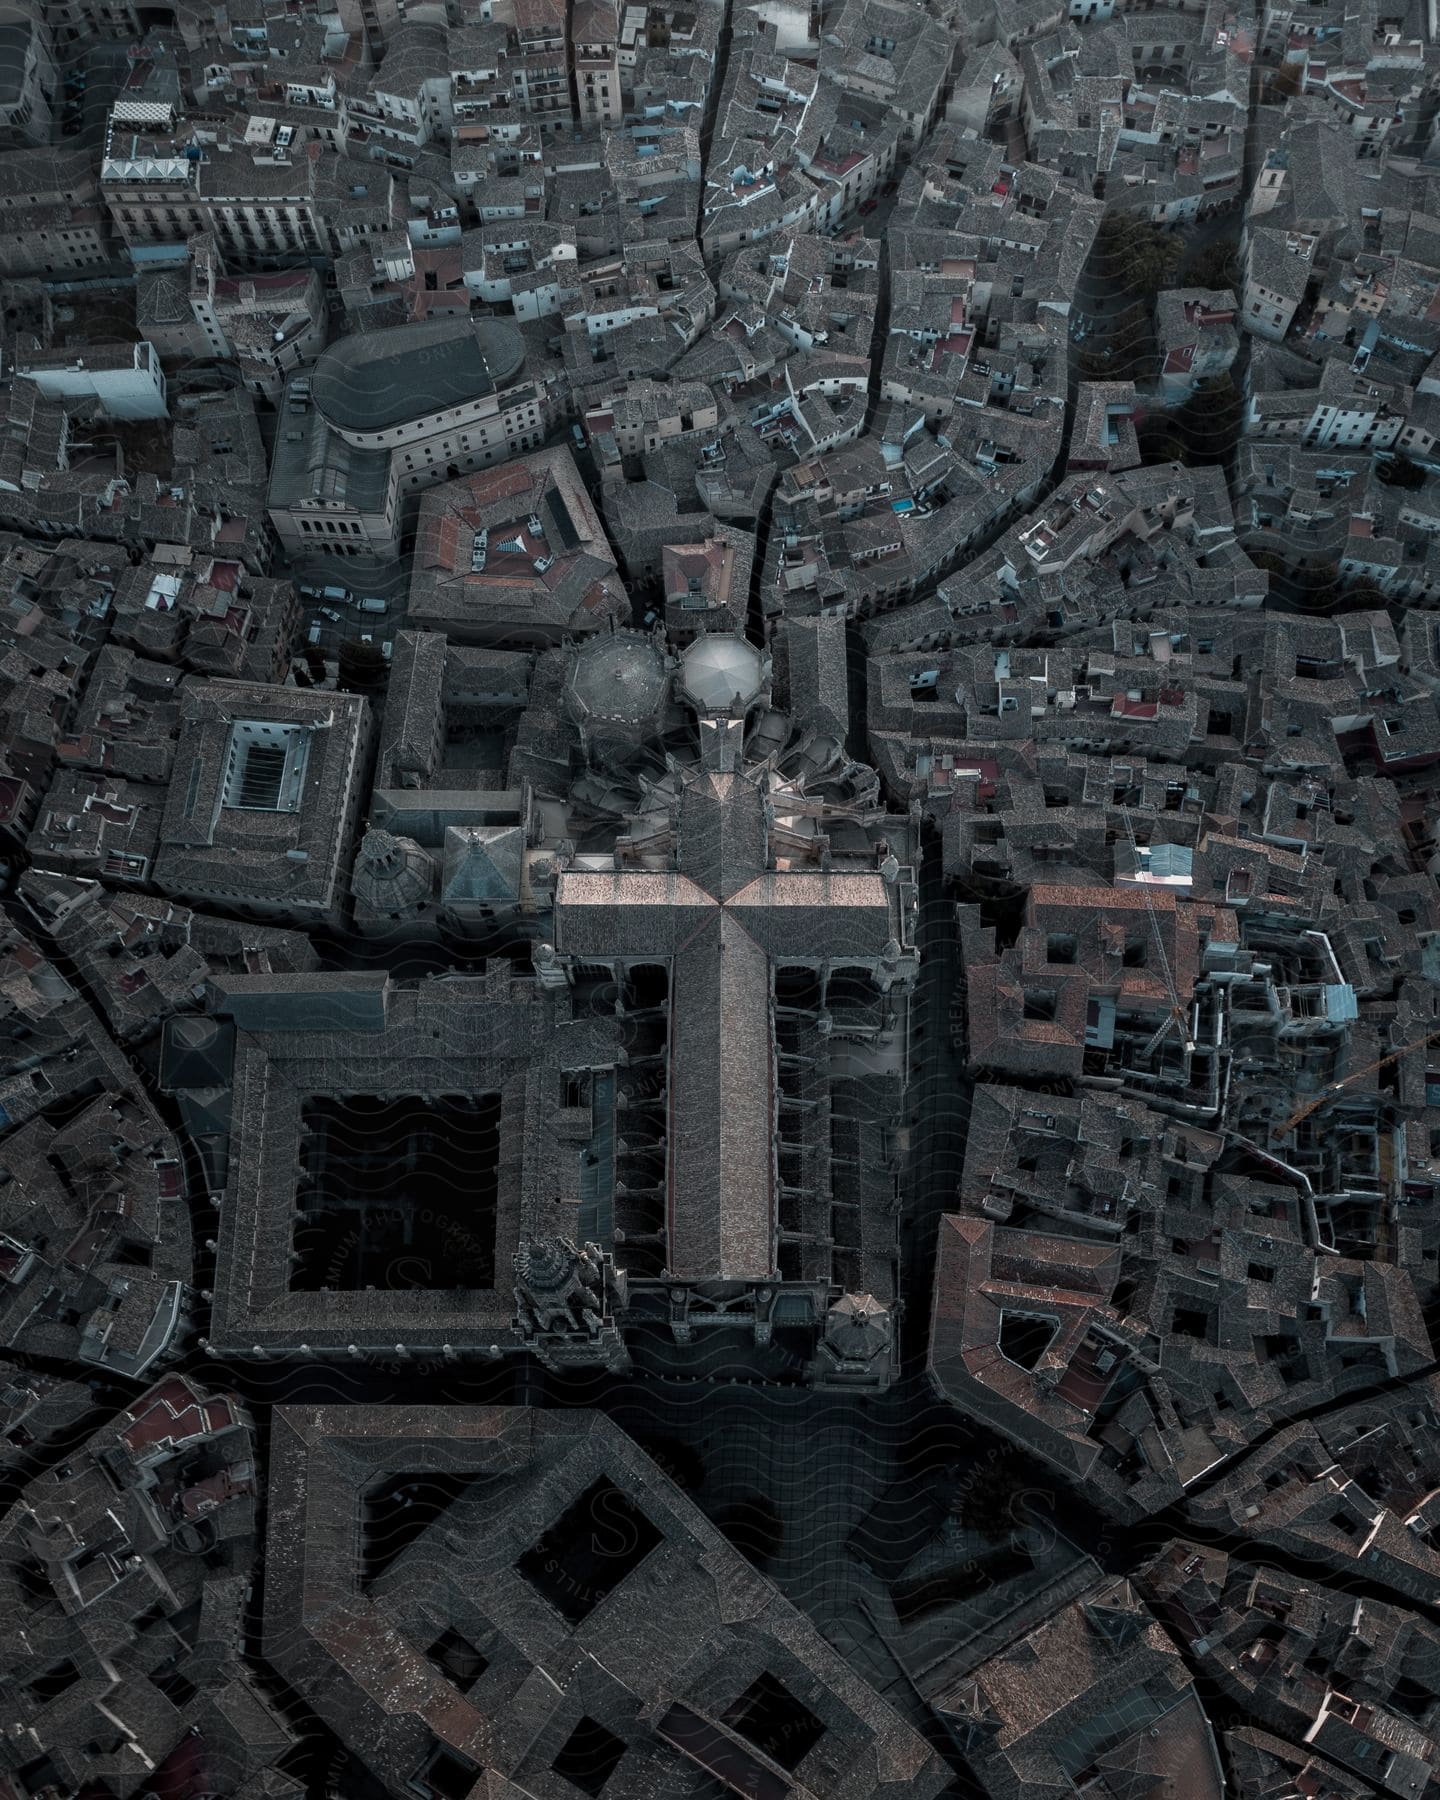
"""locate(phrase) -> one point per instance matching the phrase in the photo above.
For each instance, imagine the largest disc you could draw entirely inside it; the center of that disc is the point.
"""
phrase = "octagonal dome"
(617, 678)
(722, 674)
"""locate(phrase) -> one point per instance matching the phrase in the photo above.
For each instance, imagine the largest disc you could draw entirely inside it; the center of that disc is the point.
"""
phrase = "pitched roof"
(483, 862)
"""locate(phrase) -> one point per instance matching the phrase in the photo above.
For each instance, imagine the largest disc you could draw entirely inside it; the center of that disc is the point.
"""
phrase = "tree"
(362, 666)
(992, 1497)
(1122, 230)
(1161, 259)
(1138, 254)
(1364, 596)
(1159, 446)
(1214, 265)
(315, 663)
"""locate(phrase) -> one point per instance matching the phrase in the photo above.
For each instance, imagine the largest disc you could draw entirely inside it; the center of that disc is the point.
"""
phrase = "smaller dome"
(722, 674)
(858, 1327)
(617, 678)
(544, 1265)
(392, 874)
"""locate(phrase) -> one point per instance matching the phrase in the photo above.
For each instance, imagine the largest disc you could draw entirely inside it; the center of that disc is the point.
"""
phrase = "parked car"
(339, 596)
(329, 612)
(371, 603)
(315, 631)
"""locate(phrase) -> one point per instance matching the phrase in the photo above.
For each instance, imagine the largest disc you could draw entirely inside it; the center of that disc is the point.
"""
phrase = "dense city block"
(719, 932)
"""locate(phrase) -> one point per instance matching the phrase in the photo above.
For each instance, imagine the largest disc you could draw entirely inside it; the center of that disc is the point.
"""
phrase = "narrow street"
(939, 1104)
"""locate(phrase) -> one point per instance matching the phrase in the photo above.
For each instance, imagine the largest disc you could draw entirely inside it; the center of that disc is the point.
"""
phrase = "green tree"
(1135, 255)
(1214, 265)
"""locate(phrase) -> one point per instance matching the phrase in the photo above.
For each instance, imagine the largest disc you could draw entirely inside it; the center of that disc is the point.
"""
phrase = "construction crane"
(1303, 1112)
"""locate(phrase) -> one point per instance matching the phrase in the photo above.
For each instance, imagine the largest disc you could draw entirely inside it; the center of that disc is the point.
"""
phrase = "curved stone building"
(383, 414)
(405, 385)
